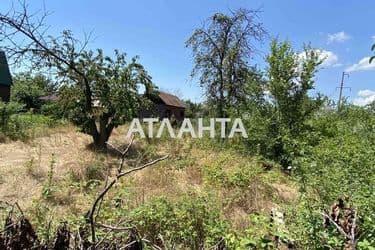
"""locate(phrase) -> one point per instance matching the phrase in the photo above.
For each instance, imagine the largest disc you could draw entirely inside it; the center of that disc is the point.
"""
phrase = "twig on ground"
(336, 225)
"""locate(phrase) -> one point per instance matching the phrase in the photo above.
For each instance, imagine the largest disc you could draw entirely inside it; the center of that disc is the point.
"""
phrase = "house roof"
(5, 77)
(171, 100)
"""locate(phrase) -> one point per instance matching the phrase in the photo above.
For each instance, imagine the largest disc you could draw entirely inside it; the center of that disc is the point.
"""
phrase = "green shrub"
(340, 163)
(260, 235)
(48, 186)
(240, 174)
(189, 221)
(6, 111)
(28, 88)
(22, 126)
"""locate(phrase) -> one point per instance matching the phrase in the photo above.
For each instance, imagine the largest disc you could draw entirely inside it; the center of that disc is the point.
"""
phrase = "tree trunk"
(221, 95)
(100, 141)
(105, 131)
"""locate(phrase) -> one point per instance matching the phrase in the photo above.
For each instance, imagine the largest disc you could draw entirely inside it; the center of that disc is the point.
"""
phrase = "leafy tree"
(221, 50)
(114, 86)
(27, 89)
(193, 109)
(288, 105)
(250, 98)
(105, 88)
(291, 77)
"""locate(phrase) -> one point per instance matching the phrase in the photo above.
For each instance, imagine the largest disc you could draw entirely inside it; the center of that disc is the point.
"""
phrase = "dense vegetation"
(295, 139)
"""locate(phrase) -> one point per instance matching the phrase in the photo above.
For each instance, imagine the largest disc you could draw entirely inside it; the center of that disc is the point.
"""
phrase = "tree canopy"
(291, 77)
(105, 88)
(221, 50)
(27, 89)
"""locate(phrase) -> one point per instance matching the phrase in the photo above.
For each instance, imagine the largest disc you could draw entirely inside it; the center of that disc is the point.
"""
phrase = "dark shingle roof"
(5, 77)
(171, 100)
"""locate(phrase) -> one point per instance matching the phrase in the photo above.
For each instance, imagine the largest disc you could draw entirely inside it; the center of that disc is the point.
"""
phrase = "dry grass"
(79, 172)
(24, 166)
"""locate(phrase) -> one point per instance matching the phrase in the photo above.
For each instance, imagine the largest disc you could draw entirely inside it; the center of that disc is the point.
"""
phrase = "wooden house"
(166, 106)
(5, 78)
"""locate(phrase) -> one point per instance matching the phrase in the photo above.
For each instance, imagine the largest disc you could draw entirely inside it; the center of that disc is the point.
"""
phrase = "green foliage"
(276, 120)
(105, 88)
(221, 50)
(240, 175)
(28, 88)
(48, 187)
(259, 235)
(42, 215)
(71, 105)
(52, 109)
(8, 127)
(251, 100)
(291, 76)
(22, 126)
(330, 154)
(6, 111)
(195, 110)
(339, 161)
(113, 97)
(189, 221)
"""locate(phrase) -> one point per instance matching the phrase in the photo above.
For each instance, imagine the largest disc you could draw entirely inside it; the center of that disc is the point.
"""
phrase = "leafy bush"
(8, 127)
(27, 89)
(339, 163)
(189, 221)
(239, 175)
(22, 126)
(259, 235)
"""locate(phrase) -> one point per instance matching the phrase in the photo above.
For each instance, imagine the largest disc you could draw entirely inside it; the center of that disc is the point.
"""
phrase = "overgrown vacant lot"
(205, 191)
(197, 190)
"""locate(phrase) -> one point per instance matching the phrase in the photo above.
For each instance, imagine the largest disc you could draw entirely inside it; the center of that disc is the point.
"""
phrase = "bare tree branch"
(113, 228)
(336, 225)
(120, 174)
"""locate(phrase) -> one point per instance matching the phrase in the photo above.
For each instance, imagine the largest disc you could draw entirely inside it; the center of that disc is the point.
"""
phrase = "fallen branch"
(336, 225)
(110, 230)
(114, 228)
(142, 167)
(344, 218)
(150, 244)
(354, 225)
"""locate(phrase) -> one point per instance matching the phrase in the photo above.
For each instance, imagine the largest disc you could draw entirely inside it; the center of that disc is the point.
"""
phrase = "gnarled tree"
(103, 90)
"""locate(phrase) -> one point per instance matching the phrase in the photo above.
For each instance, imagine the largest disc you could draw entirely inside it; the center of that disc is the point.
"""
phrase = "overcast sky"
(157, 30)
